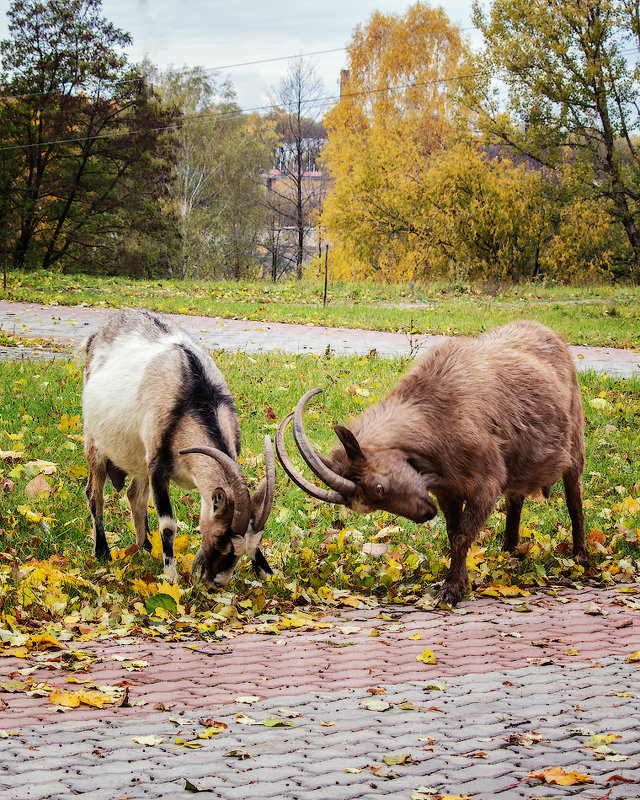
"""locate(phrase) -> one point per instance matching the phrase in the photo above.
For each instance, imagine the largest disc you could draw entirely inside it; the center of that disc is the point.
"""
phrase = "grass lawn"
(50, 579)
(597, 315)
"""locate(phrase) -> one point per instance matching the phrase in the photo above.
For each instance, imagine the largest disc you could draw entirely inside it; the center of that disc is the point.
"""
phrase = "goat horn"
(270, 477)
(334, 481)
(238, 484)
(296, 477)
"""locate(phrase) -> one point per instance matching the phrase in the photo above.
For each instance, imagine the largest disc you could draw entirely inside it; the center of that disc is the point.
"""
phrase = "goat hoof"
(147, 544)
(103, 555)
(449, 595)
(171, 574)
(582, 558)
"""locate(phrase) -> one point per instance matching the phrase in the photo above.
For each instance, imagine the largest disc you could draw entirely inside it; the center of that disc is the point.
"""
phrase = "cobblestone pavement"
(71, 325)
(512, 693)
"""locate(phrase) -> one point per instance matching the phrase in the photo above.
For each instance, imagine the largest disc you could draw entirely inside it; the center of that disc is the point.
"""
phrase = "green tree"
(216, 188)
(572, 86)
(82, 131)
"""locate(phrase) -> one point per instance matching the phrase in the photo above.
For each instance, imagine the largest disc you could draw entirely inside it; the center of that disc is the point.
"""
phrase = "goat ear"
(219, 500)
(349, 442)
(260, 564)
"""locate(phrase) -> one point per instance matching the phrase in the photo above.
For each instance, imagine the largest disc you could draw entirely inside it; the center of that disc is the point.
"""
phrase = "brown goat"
(473, 419)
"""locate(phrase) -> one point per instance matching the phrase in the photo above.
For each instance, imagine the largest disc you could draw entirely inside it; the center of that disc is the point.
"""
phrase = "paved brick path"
(556, 671)
(72, 324)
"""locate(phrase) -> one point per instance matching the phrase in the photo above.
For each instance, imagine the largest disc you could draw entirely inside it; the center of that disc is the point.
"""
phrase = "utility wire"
(216, 116)
(235, 114)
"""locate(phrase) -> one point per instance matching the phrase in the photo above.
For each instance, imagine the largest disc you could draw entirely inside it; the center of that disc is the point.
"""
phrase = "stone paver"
(72, 324)
(557, 672)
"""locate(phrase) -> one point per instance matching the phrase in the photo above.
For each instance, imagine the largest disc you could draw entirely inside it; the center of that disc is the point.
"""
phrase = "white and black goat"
(153, 404)
(471, 420)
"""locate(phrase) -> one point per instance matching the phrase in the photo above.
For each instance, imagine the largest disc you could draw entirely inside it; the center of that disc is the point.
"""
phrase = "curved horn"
(296, 477)
(233, 474)
(334, 481)
(270, 477)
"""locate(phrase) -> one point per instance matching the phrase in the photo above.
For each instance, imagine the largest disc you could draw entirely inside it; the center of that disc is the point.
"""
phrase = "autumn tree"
(77, 123)
(571, 78)
(292, 198)
(394, 114)
(488, 215)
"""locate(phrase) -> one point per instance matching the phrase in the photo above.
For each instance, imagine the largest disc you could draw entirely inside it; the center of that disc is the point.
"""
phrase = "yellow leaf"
(560, 777)
(427, 657)
(42, 641)
(417, 635)
(64, 699)
(180, 543)
(193, 745)
(171, 589)
(68, 424)
(633, 657)
(156, 544)
(631, 505)
(94, 699)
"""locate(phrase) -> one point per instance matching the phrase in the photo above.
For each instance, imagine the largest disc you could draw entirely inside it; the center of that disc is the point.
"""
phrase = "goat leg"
(95, 498)
(514, 504)
(573, 496)
(470, 520)
(138, 496)
(166, 522)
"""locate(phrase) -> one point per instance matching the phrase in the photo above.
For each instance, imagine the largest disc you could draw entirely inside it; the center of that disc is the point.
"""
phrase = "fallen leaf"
(633, 657)
(276, 722)
(191, 745)
(238, 753)
(558, 776)
(64, 699)
(191, 787)
(375, 705)
(248, 699)
(427, 657)
(38, 486)
(402, 758)
(149, 741)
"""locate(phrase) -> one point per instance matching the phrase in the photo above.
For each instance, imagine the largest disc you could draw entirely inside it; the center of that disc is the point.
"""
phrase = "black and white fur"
(150, 392)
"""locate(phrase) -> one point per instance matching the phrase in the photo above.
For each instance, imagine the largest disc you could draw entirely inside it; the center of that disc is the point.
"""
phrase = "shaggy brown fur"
(473, 419)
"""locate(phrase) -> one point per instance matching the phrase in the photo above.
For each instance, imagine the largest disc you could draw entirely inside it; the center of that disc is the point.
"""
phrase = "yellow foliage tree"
(485, 216)
(394, 113)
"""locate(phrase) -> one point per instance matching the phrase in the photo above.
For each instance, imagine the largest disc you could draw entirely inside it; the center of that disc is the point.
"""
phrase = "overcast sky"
(221, 33)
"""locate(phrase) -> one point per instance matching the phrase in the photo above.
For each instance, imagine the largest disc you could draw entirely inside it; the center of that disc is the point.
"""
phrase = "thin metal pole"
(326, 272)
(5, 205)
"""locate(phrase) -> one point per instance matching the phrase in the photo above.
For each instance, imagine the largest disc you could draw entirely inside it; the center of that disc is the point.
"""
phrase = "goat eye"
(379, 490)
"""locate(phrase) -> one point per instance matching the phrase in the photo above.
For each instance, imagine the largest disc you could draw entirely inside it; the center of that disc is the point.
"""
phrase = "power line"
(217, 116)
